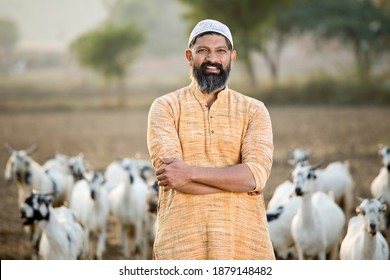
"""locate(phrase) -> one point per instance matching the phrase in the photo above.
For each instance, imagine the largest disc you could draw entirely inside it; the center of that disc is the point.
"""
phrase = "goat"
(299, 156)
(62, 236)
(279, 225)
(128, 205)
(152, 206)
(363, 240)
(114, 174)
(30, 175)
(317, 226)
(380, 186)
(337, 179)
(89, 201)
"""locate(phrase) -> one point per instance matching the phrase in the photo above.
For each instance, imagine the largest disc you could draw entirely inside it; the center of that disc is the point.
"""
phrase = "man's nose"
(212, 57)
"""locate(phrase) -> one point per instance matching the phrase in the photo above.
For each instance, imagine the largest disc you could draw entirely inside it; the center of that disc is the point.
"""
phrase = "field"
(330, 133)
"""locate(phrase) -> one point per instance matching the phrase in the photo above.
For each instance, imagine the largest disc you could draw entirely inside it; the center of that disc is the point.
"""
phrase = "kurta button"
(212, 131)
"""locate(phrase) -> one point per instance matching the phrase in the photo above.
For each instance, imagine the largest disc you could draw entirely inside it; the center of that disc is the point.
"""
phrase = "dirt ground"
(331, 134)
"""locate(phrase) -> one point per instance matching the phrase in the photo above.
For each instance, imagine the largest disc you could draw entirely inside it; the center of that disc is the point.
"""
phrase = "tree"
(9, 36)
(359, 24)
(165, 29)
(247, 20)
(109, 50)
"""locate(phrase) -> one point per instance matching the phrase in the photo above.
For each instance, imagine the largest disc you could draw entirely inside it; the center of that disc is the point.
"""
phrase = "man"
(212, 150)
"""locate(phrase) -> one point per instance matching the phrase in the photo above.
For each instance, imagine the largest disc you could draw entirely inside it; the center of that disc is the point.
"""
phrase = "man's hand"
(174, 174)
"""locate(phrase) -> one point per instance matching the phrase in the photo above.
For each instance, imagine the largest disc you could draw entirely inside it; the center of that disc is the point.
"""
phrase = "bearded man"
(212, 150)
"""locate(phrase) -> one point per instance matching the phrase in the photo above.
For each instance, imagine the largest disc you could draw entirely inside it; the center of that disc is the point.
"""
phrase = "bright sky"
(52, 22)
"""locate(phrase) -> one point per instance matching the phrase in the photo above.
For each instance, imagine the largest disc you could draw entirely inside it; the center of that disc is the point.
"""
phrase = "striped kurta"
(235, 129)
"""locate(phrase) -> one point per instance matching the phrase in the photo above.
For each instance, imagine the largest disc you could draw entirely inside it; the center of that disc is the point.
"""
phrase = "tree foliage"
(109, 49)
(247, 20)
(9, 34)
(359, 24)
(165, 29)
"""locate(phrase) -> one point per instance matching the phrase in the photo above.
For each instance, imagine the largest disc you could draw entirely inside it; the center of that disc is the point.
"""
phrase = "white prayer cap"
(210, 25)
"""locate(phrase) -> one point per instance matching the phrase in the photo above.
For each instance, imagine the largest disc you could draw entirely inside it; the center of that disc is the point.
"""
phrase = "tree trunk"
(272, 56)
(363, 64)
(249, 68)
(121, 92)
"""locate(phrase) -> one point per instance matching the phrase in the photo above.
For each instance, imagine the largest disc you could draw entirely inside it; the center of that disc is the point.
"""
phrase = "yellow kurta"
(235, 129)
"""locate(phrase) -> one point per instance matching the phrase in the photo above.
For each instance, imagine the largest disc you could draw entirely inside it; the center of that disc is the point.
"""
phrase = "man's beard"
(210, 83)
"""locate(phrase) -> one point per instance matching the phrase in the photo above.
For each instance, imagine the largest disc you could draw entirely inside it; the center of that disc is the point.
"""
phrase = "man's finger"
(167, 160)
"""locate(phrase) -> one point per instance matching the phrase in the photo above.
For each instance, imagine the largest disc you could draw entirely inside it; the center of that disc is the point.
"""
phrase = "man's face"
(210, 59)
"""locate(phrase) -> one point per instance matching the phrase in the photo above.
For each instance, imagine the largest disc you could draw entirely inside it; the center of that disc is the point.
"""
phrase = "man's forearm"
(198, 188)
(236, 178)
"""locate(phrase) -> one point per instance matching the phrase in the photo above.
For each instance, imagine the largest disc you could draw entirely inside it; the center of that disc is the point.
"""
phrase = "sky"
(52, 23)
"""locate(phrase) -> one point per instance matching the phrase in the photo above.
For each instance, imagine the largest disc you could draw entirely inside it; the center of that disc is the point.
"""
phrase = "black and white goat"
(380, 186)
(62, 236)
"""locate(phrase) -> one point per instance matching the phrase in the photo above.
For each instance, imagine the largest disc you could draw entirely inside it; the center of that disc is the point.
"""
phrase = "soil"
(329, 133)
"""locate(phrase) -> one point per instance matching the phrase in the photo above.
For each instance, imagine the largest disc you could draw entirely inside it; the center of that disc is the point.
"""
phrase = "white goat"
(363, 240)
(281, 209)
(62, 236)
(318, 224)
(337, 179)
(152, 206)
(286, 190)
(279, 225)
(78, 166)
(30, 176)
(282, 194)
(128, 206)
(380, 186)
(114, 175)
(89, 201)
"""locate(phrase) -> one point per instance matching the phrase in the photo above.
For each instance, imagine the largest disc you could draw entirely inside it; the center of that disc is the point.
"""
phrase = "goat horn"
(8, 147)
(360, 198)
(31, 149)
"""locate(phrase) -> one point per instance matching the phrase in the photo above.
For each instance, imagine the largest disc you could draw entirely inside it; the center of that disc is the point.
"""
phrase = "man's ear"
(189, 56)
(233, 56)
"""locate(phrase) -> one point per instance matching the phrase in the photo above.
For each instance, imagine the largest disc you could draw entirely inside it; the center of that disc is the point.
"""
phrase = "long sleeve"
(257, 147)
(162, 136)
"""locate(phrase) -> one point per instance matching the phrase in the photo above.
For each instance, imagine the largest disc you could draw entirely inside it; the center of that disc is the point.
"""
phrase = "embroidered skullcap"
(210, 25)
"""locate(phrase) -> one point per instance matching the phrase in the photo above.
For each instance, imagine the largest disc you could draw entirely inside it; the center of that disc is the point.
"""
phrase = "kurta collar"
(200, 96)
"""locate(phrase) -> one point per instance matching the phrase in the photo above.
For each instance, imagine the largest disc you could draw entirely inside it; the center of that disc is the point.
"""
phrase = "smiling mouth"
(212, 70)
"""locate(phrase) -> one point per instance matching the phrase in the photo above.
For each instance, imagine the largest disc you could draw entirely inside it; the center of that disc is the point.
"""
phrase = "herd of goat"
(66, 208)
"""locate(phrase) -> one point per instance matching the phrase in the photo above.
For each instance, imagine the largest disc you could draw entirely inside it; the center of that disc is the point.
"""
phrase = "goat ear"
(291, 162)
(357, 210)
(379, 198)
(131, 179)
(317, 165)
